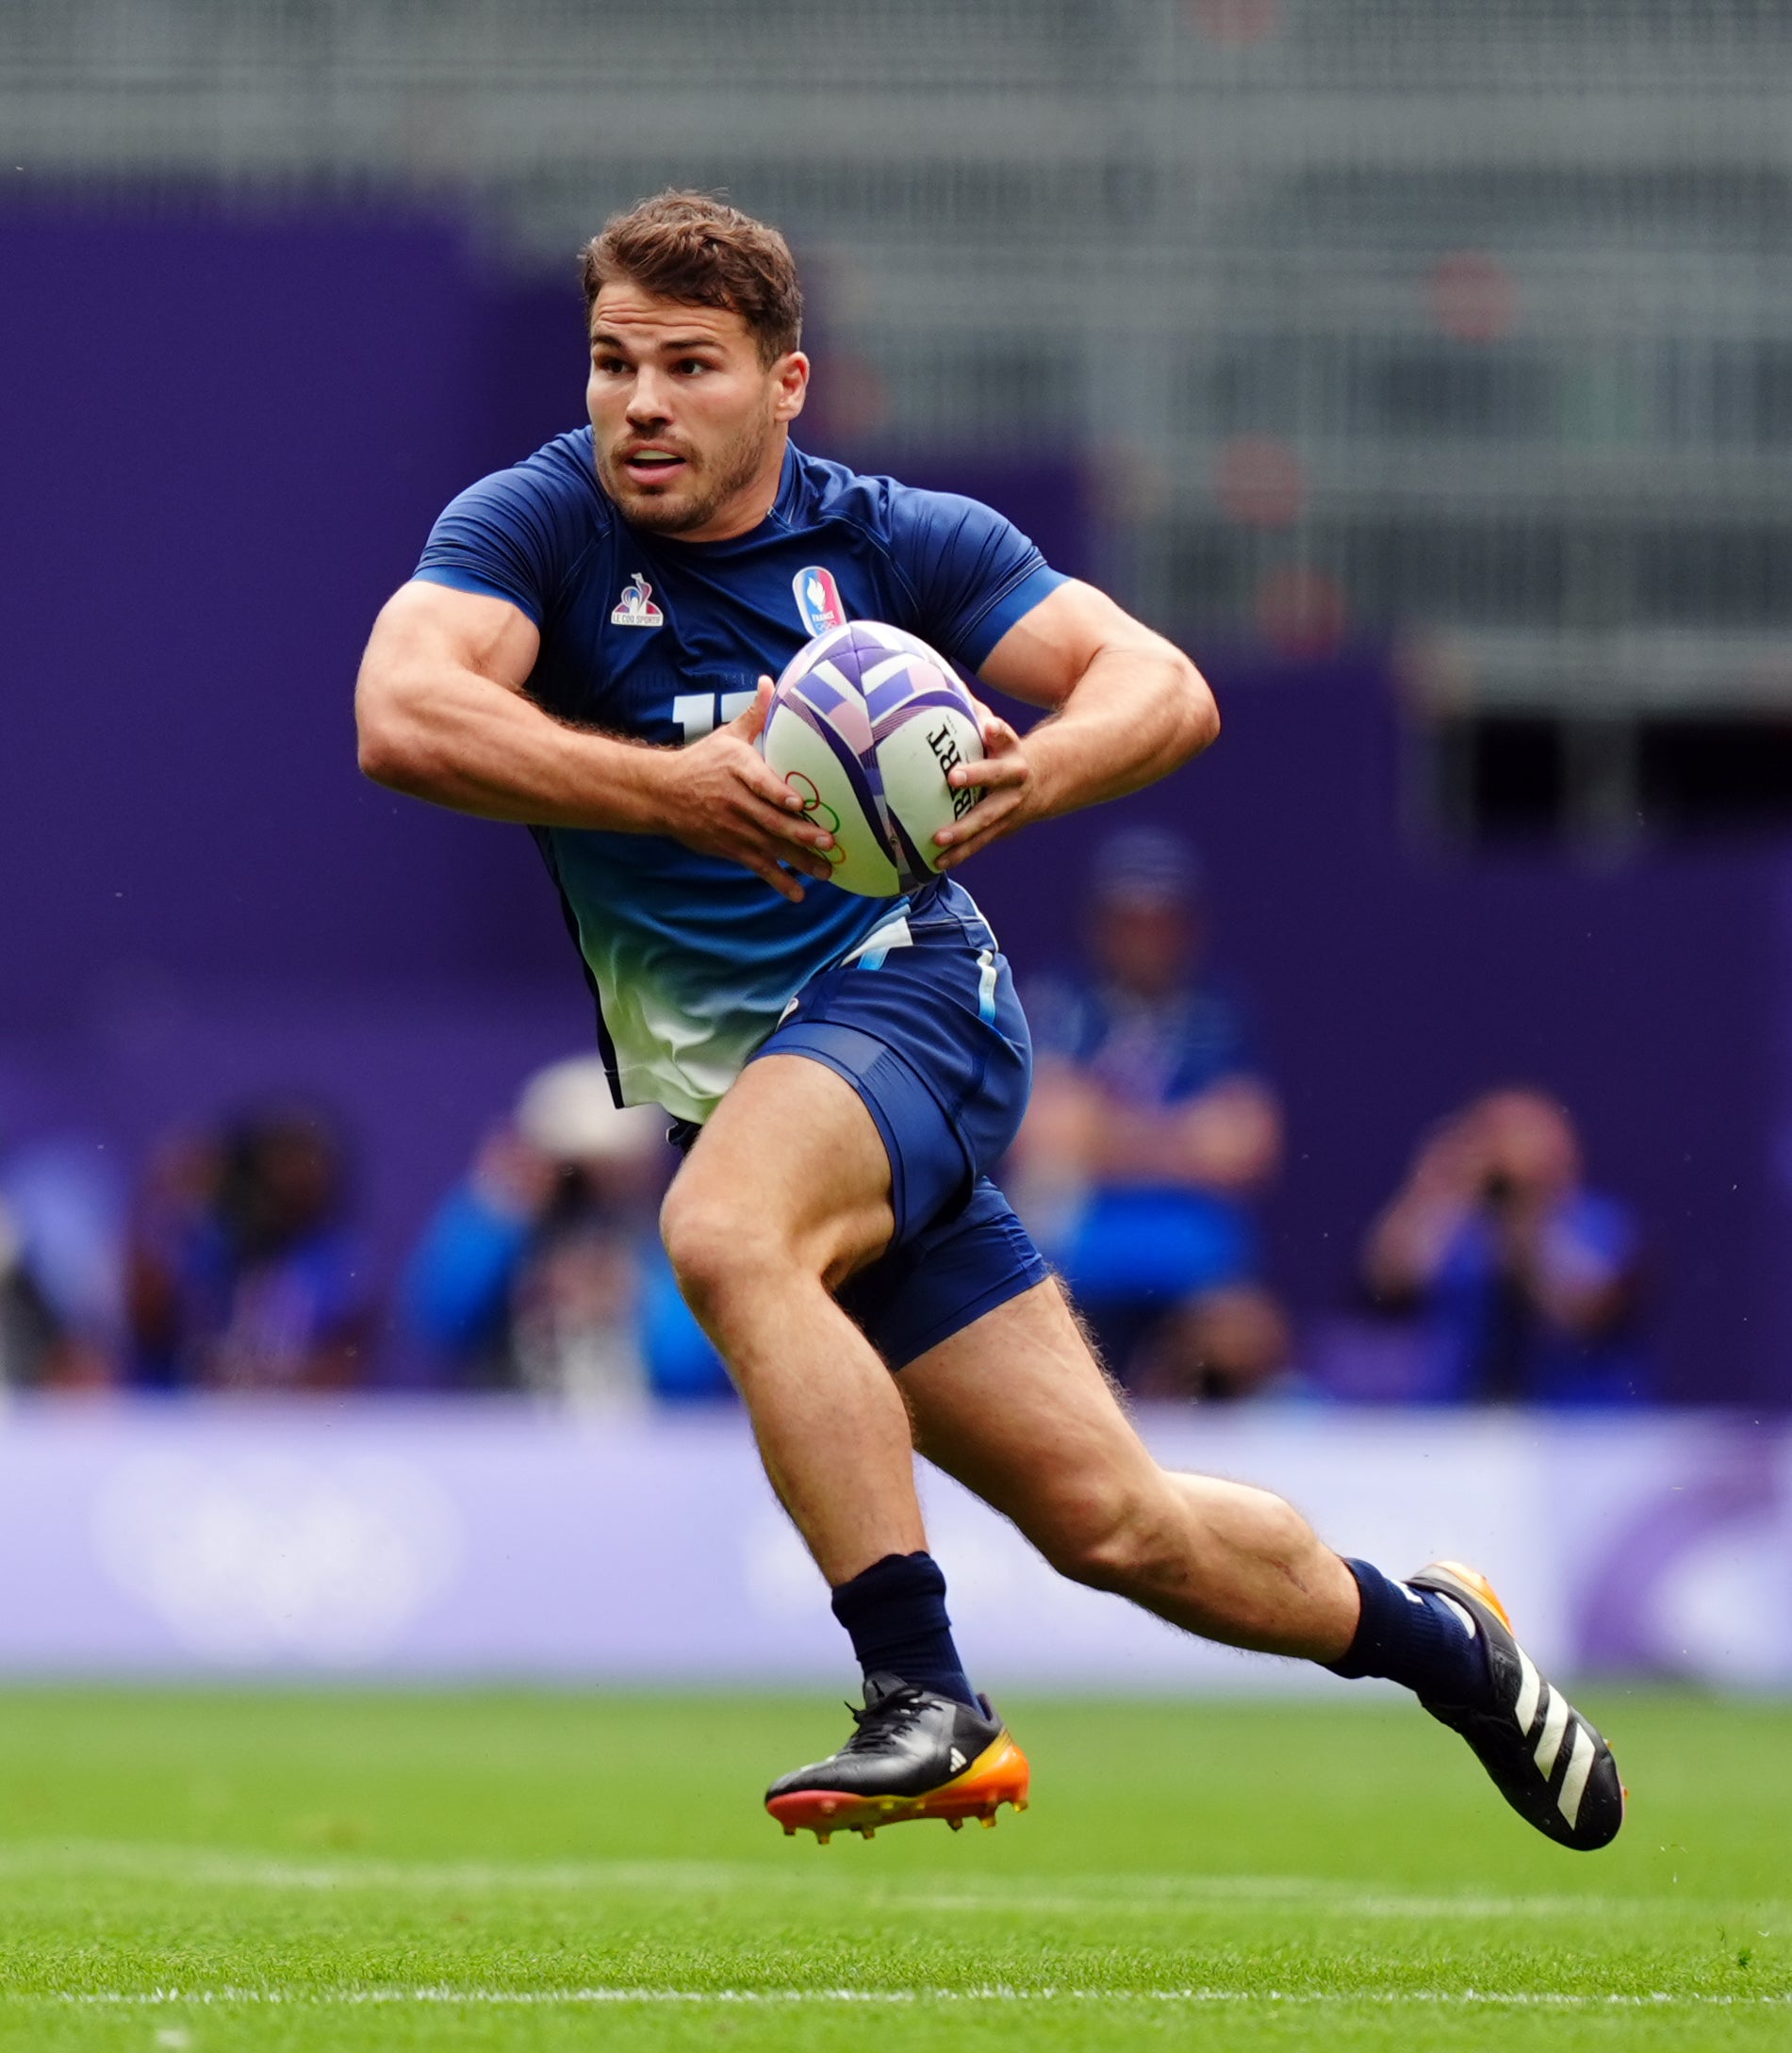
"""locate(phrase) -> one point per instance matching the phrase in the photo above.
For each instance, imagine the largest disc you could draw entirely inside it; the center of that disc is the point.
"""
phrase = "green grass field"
(202, 1871)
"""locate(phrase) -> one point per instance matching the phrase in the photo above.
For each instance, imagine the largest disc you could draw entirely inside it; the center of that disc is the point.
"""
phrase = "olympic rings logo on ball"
(815, 808)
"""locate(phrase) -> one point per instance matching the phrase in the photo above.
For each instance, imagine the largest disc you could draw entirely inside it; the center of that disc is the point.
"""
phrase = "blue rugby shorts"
(922, 1019)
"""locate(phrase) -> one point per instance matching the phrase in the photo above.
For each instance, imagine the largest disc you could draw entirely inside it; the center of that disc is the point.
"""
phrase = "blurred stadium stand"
(1470, 320)
(1317, 327)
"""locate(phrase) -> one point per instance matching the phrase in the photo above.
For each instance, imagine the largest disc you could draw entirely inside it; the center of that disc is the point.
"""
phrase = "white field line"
(569, 1998)
(1325, 1899)
(201, 1868)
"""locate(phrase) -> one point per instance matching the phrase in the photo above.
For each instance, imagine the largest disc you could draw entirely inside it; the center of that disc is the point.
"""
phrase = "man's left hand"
(1010, 793)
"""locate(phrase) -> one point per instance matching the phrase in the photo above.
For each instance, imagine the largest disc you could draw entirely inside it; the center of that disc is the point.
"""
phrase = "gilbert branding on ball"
(865, 723)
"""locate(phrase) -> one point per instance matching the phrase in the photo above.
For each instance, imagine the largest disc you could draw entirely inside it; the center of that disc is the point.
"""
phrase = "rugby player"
(586, 646)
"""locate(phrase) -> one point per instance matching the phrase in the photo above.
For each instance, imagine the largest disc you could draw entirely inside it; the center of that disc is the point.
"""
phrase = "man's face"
(687, 418)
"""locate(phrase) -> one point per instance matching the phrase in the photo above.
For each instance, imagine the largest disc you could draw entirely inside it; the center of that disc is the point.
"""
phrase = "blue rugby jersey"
(693, 958)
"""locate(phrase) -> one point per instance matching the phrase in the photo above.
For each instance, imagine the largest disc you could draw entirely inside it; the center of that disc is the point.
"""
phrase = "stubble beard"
(734, 468)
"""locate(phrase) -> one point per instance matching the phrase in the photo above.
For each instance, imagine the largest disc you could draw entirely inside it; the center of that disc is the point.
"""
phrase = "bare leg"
(785, 1194)
(1015, 1407)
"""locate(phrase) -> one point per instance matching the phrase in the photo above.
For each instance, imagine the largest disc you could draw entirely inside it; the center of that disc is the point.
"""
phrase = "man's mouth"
(652, 466)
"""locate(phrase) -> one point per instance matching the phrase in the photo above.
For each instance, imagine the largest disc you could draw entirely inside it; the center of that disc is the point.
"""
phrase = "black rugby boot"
(1548, 1762)
(915, 1754)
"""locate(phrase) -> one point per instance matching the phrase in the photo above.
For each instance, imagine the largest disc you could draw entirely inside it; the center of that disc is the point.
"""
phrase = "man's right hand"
(721, 798)
(443, 715)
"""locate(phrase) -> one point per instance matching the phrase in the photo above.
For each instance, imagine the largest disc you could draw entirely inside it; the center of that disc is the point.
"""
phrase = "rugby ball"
(865, 724)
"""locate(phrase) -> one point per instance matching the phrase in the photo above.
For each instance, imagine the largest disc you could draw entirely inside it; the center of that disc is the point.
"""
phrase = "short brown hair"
(698, 250)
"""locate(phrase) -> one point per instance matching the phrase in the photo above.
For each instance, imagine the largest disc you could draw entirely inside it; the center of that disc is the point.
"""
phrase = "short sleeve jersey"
(693, 958)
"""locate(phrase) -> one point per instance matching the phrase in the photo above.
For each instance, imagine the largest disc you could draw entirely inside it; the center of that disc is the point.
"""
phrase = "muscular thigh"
(792, 1153)
(1015, 1407)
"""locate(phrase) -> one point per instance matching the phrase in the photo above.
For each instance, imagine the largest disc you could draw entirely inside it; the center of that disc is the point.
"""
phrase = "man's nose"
(647, 398)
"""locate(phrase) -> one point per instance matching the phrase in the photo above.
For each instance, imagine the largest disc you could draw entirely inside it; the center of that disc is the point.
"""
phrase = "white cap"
(566, 1111)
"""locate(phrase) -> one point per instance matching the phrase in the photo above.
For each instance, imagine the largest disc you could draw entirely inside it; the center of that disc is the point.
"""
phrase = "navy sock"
(895, 1612)
(1415, 1637)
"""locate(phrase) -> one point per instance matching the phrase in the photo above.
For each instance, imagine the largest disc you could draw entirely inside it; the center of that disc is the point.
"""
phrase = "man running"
(585, 648)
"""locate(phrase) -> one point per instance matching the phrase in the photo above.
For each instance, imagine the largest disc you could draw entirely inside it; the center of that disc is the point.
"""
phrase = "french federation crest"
(635, 608)
(818, 599)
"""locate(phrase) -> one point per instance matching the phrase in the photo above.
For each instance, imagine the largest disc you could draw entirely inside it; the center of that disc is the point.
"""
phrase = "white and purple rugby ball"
(865, 724)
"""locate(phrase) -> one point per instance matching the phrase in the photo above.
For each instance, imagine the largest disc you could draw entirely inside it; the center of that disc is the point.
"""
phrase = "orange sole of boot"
(1000, 1775)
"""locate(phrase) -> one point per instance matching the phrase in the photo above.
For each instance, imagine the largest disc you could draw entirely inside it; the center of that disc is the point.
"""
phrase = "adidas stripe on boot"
(1546, 1760)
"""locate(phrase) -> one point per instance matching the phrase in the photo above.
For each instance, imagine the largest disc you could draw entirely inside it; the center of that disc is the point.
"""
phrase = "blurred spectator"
(1150, 1132)
(60, 1261)
(60, 1309)
(244, 1271)
(31, 1340)
(1522, 1282)
(543, 1270)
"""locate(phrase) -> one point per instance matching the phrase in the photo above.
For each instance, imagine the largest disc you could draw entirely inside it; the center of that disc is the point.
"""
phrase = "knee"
(716, 1243)
(1165, 1536)
(1119, 1540)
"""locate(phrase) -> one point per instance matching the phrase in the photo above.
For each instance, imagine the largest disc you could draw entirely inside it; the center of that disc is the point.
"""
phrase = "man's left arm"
(1125, 708)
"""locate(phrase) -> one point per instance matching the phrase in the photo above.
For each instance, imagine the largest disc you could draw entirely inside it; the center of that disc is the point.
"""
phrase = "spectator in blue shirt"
(1523, 1283)
(543, 1271)
(1152, 1129)
(245, 1272)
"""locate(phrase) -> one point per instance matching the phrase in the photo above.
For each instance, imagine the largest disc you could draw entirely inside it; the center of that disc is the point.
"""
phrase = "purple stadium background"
(225, 437)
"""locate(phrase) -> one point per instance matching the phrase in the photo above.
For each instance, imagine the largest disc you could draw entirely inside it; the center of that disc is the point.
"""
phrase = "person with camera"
(1526, 1282)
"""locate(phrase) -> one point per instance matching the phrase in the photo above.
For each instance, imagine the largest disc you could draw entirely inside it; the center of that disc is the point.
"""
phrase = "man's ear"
(792, 386)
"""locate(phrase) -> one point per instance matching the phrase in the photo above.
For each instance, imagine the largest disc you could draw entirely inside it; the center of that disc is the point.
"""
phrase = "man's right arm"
(1407, 1245)
(442, 714)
